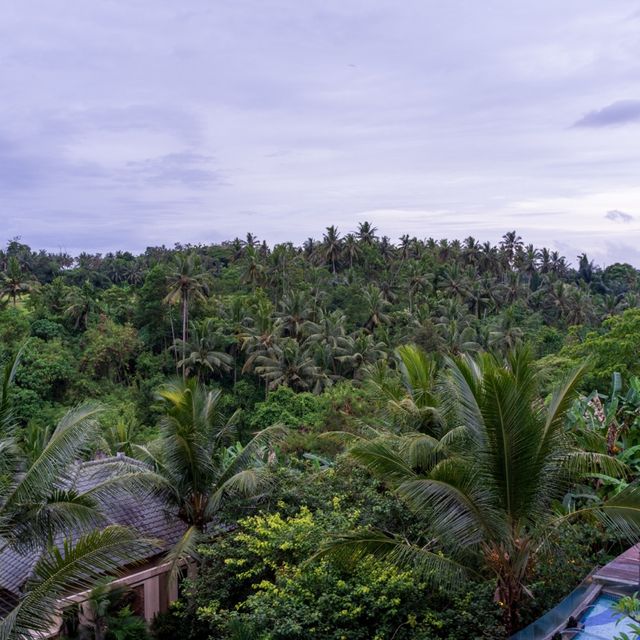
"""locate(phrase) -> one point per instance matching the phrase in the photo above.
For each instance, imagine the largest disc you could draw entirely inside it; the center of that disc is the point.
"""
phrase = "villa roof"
(148, 517)
(625, 569)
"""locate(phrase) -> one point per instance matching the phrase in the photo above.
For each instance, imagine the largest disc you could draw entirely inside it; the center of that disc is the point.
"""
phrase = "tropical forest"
(354, 438)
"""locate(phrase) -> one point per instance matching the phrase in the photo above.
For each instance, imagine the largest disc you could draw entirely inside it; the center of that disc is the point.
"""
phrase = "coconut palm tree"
(296, 311)
(254, 270)
(351, 249)
(405, 247)
(366, 233)
(196, 470)
(186, 282)
(458, 337)
(13, 282)
(331, 247)
(324, 338)
(417, 281)
(415, 403)
(490, 481)
(291, 364)
(510, 246)
(506, 335)
(204, 351)
(81, 305)
(375, 306)
(358, 351)
(260, 332)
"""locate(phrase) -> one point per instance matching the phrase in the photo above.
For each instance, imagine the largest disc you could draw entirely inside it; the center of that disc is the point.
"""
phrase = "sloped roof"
(148, 517)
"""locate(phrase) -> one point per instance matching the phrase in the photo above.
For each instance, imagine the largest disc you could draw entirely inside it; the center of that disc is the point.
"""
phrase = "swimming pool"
(601, 621)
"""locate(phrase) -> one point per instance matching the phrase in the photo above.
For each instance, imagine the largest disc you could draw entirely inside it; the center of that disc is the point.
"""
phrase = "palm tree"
(405, 247)
(528, 260)
(489, 485)
(506, 336)
(331, 247)
(13, 282)
(414, 404)
(288, 363)
(325, 336)
(359, 351)
(459, 337)
(558, 263)
(470, 251)
(610, 305)
(386, 249)
(197, 471)
(254, 270)
(204, 351)
(585, 268)
(251, 241)
(186, 282)
(81, 305)
(351, 249)
(417, 281)
(309, 247)
(259, 334)
(375, 307)
(296, 311)
(510, 246)
(366, 233)
(455, 281)
(580, 308)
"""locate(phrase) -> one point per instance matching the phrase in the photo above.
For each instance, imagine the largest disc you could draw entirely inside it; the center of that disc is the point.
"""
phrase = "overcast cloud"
(128, 124)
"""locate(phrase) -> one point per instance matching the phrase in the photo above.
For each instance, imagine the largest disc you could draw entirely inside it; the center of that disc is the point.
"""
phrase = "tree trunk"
(173, 339)
(185, 305)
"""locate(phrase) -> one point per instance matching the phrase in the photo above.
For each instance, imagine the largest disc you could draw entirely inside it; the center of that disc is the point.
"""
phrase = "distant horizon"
(147, 123)
(570, 260)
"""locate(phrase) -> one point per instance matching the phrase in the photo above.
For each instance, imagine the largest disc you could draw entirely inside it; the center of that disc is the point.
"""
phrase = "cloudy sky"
(128, 124)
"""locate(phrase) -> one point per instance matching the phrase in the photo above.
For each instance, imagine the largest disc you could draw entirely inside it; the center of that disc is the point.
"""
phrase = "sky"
(131, 124)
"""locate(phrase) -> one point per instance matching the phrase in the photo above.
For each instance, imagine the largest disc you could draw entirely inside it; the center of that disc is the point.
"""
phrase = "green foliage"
(615, 348)
(46, 373)
(151, 313)
(259, 576)
(125, 625)
(311, 337)
(14, 329)
(109, 351)
(285, 406)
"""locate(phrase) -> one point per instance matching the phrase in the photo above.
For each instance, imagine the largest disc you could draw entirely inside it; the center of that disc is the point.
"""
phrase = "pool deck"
(625, 569)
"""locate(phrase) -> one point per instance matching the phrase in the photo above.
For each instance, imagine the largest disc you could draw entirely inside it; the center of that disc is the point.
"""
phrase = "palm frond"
(561, 400)
(430, 565)
(70, 440)
(183, 550)
(460, 388)
(246, 483)
(62, 511)
(582, 463)
(383, 461)
(72, 569)
(246, 473)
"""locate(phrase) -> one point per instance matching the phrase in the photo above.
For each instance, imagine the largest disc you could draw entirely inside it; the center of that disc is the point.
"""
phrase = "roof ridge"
(119, 457)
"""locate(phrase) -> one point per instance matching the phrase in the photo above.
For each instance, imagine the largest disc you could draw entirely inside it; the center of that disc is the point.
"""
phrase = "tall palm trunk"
(173, 339)
(185, 313)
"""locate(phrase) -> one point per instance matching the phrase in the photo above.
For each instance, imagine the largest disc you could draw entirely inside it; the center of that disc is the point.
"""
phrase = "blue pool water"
(601, 621)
